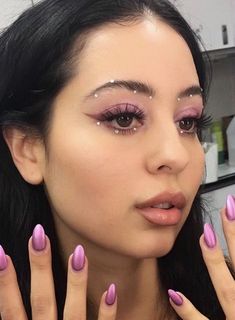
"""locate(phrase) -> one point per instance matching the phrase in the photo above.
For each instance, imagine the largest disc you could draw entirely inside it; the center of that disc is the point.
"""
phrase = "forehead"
(147, 48)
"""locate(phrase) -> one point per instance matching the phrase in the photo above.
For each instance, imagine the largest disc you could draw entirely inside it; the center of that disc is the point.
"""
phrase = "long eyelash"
(112, 115)
(204, 121)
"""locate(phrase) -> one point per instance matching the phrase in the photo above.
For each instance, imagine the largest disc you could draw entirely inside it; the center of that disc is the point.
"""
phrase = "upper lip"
(177, 199)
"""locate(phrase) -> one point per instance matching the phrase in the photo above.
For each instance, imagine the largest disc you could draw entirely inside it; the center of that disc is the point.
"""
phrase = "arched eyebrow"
(192, 90)
(142, 88)
(130, 85)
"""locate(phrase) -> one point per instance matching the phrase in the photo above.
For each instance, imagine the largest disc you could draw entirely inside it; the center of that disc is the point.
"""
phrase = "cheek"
(194, 173)
(84, 180)
(198, 162)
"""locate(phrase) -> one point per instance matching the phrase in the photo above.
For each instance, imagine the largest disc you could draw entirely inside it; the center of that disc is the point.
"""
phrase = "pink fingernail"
(39, 238)
(230, 207)
(78, 259)
(175, 297)
(209, 236)
(111, 295)
(3, 259)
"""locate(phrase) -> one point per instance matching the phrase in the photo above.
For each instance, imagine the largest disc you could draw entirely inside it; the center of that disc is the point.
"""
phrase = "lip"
(162, 216)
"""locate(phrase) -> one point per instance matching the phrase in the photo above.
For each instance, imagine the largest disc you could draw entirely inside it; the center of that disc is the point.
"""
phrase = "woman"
(101, 108)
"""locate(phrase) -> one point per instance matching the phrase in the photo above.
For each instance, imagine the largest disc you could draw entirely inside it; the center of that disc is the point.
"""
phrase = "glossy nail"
(111, 295)
(230, 207)
(3, 259)
(39, 238)
(78, 258)
(209, 236)
(175, 297)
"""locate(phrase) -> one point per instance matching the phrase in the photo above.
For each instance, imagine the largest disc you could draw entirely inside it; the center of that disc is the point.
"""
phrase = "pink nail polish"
(175, 297)
(38, 238)
(209, 236)
(230, 207)
(78, 258)
(111, 295)
(3, 259)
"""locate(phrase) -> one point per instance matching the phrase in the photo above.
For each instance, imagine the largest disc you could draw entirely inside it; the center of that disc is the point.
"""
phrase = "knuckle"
(41, 265)
(76, 283)
(217, 260)
(107, 313)
(188, 311)
(229, 294)
(4, 281)
(41, 304)
(8, 278)
(69, 315)
(230, 233)
(10, 313)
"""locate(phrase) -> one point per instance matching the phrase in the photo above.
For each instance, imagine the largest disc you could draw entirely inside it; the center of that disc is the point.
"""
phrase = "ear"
(27, 153)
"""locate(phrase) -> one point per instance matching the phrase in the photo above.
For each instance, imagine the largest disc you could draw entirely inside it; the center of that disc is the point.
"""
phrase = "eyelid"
(125, 105)
(193, 112)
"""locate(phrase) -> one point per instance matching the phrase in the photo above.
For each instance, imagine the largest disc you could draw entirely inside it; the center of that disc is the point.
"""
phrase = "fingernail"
(230, 207)
(78, 259)
(111, 295)
(3, 259)
(38, 238)
(209, 236)
(175, 297)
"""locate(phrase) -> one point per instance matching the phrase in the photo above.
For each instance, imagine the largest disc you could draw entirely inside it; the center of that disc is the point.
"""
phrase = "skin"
(94, 178)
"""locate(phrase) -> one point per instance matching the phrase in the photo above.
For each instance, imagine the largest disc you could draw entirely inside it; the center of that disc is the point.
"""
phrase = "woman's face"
(95, 176)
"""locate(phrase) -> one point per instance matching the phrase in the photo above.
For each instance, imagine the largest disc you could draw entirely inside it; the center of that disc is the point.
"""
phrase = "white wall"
(11, 9)
(222, 92)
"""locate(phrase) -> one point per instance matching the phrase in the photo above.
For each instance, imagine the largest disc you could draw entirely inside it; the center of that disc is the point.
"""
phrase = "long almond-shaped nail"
(111, 295)
(39, 238)
(230, 207)
(3, 259)
(209, 236)
(175, 297)
(78, 258)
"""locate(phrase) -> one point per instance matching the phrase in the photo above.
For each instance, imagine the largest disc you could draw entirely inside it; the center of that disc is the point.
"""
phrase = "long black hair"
(37, 54)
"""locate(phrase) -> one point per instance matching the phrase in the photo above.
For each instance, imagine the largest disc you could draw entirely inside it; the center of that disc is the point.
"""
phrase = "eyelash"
(200, 123)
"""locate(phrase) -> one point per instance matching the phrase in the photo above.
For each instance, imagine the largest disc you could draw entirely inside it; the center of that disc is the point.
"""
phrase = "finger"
(108, 304)
(228, 223)
(220, 275)
(11, 305)
(75, 303)
(183, 307)
(43, 301)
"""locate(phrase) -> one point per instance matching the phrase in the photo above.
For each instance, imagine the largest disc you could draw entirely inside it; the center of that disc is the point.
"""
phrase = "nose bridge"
(167, 147)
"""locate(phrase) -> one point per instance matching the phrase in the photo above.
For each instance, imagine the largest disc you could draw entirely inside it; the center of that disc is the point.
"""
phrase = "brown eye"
(124, 120)
(188, 125)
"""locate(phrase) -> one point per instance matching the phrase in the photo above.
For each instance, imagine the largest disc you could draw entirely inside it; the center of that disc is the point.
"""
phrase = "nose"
(168, 150)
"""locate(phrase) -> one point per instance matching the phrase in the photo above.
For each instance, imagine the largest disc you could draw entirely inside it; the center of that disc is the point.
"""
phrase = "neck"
(139, 291)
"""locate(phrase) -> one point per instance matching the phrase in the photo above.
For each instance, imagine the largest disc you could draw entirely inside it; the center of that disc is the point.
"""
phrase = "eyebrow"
(192, 90)
(143, 88)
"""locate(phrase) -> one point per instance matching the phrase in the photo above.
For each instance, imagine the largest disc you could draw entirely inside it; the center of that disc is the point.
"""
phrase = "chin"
(153, 249)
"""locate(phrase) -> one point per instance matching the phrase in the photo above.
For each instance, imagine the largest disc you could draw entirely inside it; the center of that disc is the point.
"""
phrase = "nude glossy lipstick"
(163, 209)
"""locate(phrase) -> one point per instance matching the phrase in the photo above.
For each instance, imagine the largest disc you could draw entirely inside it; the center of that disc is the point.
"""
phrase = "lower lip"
(160, 216)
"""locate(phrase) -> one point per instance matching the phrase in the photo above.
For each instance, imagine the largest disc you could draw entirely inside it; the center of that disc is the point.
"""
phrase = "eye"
(125, 117)
(194, 125)
(188, 125)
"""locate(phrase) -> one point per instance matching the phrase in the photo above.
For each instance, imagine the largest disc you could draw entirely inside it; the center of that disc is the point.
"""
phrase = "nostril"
(163, 167)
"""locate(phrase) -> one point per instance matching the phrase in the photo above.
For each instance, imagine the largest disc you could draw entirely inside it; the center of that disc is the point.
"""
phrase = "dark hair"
(37, 53)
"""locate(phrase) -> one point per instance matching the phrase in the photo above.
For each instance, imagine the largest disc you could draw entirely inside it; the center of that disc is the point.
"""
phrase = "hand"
(220, 275)
(42, 297)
